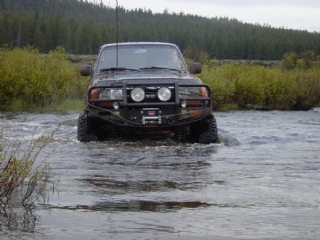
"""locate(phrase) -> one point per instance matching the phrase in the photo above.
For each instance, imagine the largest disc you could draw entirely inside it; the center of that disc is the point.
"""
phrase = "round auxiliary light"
(183, 103)
(116, 105)
(164, 94)
(137, 94)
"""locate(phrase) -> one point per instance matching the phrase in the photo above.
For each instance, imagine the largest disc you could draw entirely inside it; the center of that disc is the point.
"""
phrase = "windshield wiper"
(114, 69)
(161, 68)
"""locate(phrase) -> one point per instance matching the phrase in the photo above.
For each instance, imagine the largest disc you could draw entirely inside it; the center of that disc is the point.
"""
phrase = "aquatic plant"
(23, 179)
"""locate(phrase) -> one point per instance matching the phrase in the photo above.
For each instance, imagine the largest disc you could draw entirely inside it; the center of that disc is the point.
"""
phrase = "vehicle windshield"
(140, 57)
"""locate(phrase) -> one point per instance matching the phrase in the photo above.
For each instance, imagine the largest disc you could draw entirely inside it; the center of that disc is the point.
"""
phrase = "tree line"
(81, 27)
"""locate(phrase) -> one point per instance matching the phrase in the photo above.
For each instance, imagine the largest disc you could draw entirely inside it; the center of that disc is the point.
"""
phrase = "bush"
(221, 80)
(270, 88)
(289, 61)
(36, 80)
(30, 80)
(22, 179)
(306, 89)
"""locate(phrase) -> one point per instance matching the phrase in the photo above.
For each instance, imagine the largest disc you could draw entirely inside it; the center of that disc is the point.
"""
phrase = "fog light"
(116, 105)
(137, 94)
(183, 103)
(164, 94)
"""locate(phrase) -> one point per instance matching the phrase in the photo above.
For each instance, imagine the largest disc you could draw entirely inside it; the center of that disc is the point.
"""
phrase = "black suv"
(145, 88)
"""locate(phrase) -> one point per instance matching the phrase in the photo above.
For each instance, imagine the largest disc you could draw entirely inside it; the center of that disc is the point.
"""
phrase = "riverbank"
(33, 81)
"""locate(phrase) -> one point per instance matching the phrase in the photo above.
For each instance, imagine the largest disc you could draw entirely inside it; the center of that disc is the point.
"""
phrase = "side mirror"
(86, 70)
(195, 68)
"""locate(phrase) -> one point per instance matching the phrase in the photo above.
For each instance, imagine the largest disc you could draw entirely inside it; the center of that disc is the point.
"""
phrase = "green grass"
(246, 85)
(29, 80)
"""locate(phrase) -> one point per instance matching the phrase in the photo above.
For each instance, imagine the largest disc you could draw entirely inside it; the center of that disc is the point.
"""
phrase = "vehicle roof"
(138, 43)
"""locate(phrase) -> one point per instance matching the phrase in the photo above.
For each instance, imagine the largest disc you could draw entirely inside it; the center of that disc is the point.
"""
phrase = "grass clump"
(23, 180)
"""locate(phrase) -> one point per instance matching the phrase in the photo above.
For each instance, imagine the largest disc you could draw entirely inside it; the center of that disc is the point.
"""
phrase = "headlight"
(188, 92)
(137, 94)
(192, 92)
(164, 94)
(105, 94)
(116, 94)
(110, 94)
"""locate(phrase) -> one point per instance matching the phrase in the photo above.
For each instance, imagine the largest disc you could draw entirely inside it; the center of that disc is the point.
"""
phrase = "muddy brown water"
(260, 182)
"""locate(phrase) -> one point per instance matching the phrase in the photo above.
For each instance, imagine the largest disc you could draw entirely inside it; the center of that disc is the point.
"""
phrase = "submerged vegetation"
(29, 80)
(23, 179)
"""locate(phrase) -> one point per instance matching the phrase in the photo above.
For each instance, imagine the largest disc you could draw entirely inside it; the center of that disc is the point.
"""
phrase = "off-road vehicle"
(145, 88)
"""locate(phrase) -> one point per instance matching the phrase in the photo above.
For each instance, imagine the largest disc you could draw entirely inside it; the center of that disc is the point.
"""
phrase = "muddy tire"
(205, 131)
(85, 134)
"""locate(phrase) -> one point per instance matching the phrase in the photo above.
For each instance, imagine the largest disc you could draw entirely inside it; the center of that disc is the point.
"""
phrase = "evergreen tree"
(82, 26)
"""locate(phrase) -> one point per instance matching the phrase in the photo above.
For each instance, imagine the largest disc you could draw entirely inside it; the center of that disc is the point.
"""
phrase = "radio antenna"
(117, 18)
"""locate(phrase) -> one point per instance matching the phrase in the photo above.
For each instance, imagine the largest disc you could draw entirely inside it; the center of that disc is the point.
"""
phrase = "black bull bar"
(131, 84)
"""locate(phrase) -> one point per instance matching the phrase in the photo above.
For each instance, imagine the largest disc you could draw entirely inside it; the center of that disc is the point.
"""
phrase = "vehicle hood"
(106, 79)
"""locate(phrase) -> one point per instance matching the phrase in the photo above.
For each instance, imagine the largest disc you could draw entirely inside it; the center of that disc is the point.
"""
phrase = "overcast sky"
(291, 14)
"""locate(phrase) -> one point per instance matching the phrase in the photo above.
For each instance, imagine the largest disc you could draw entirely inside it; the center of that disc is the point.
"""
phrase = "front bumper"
(151, 112)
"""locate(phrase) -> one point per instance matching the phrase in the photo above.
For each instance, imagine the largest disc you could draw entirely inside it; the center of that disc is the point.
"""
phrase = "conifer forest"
(81, 27)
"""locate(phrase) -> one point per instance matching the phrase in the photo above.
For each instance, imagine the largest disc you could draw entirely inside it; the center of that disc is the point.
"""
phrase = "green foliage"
(289, 60)
(22, 180)
(305, 60)
(307, 89)
(82, 26)
(262, 87)
(37, 80)
(221, 80)
(29, 80)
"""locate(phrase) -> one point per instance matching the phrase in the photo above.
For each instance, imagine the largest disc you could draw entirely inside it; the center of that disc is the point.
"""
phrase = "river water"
(261, 181)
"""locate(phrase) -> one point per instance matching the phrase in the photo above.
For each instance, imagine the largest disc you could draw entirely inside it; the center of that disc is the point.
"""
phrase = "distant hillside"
(81, 27)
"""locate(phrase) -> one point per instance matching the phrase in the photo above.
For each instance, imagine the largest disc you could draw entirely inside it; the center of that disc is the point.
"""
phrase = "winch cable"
(138, 124)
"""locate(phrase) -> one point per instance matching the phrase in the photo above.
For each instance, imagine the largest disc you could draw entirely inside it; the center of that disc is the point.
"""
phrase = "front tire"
(85, 133)
(205, 131)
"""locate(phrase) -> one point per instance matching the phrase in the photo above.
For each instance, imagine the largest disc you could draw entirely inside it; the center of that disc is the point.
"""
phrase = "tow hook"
(171, 121)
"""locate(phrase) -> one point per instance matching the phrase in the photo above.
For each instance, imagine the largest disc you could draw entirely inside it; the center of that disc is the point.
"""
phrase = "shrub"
(289, 61)
(221, 80)
(22, 179)
(37, 79)
(307, 89)
(267, 87)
